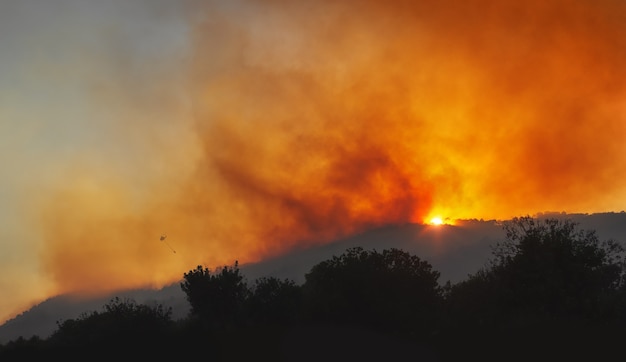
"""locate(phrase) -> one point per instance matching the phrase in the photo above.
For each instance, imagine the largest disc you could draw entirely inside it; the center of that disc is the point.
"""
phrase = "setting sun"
(436, 221)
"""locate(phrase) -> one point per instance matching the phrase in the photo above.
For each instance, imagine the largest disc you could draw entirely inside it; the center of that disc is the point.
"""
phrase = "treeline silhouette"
(550, 292)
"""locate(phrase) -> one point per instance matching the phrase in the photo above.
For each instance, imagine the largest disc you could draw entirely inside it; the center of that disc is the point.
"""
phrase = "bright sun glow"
(436, 221)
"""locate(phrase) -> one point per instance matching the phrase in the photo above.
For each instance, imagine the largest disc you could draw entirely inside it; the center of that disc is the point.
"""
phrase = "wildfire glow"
(312, 120)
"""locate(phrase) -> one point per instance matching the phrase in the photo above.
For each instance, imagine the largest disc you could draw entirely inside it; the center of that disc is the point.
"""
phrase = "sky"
(242, 129)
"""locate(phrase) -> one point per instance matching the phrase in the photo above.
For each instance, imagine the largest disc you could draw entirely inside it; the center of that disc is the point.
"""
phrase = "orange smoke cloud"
(314, 120)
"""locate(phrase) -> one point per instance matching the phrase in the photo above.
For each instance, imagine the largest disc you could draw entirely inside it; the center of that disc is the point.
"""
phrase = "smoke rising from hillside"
(301, 122)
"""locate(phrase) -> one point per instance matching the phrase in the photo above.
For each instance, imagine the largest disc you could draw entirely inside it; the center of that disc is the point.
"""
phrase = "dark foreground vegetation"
(549, 292)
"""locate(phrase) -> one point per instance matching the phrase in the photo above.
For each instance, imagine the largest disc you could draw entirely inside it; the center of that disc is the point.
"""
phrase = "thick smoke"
(317, 119)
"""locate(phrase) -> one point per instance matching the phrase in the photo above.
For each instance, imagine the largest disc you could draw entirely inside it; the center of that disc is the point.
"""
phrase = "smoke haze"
(244, 129)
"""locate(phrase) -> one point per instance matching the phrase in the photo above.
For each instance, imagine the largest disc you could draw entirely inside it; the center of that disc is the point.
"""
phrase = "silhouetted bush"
(22, 349)
(122, 327)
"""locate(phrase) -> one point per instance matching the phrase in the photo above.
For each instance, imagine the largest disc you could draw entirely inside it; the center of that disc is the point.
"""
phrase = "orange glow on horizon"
(438, 220)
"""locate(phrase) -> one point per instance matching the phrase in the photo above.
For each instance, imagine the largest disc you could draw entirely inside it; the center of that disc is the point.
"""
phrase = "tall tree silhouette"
(548, 285)
(553, 269)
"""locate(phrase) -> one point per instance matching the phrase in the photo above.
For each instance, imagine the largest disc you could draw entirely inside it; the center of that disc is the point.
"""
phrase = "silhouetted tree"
(392, 290)
(551, 268)
(274, 301)
(547, 281)
(216, 299)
